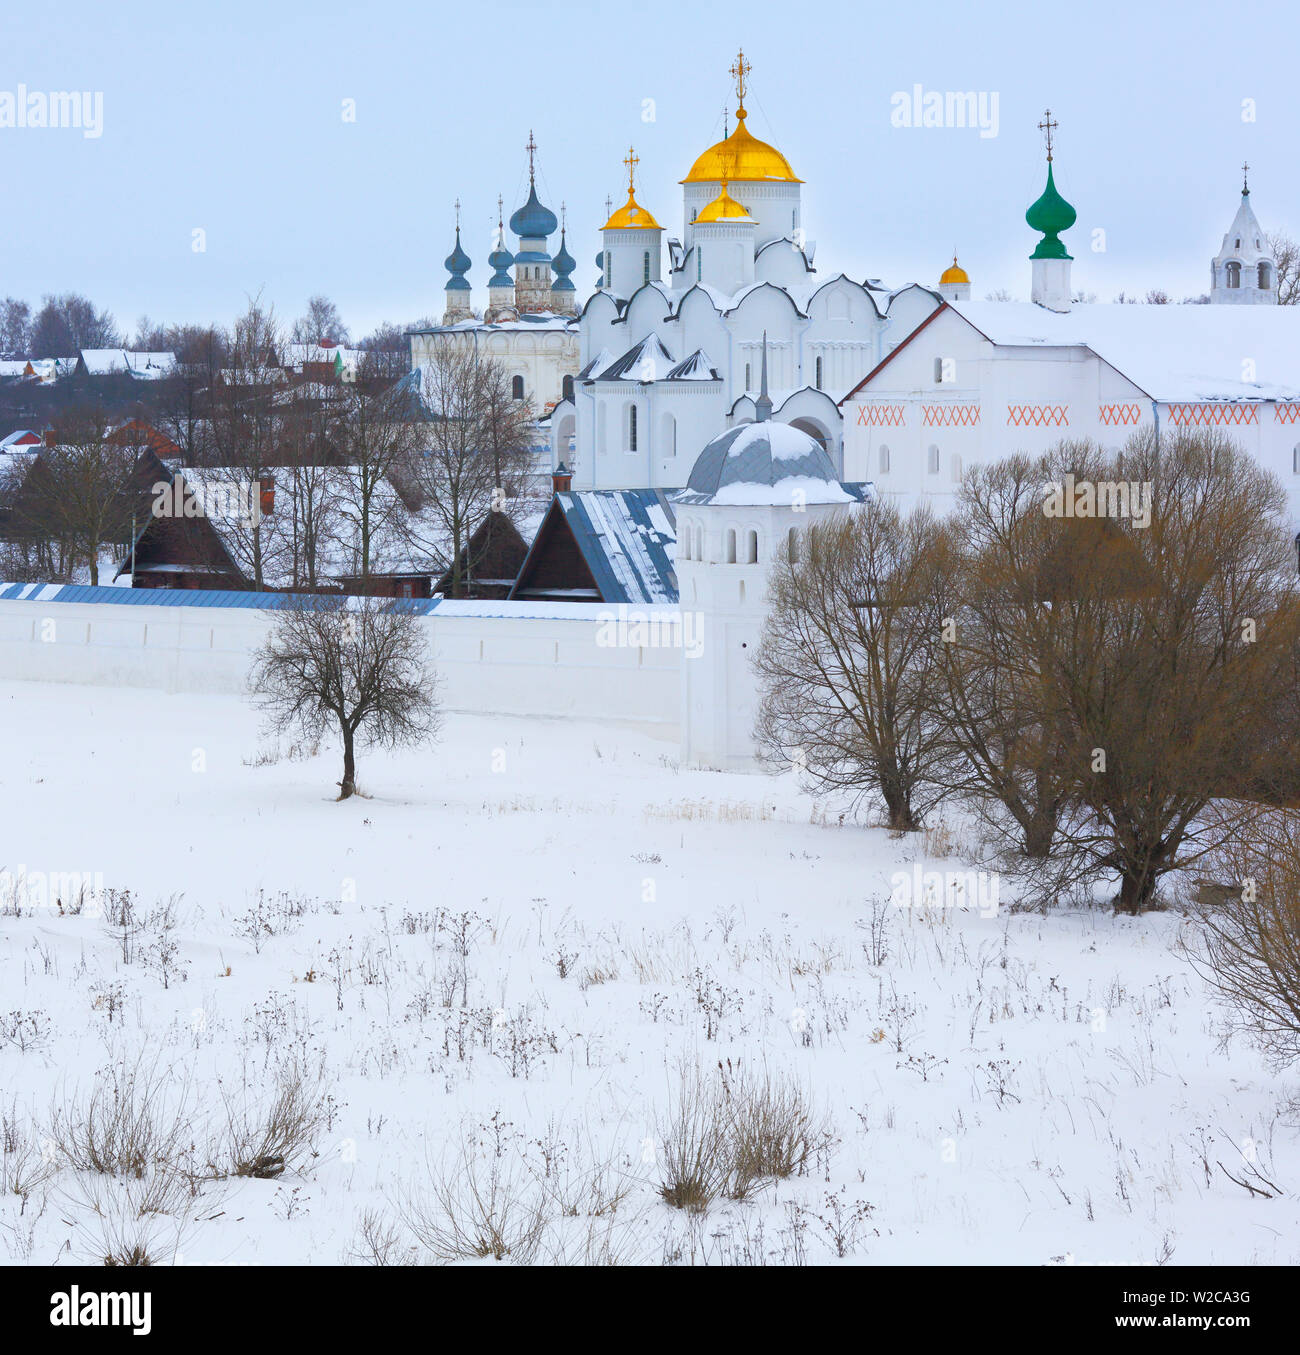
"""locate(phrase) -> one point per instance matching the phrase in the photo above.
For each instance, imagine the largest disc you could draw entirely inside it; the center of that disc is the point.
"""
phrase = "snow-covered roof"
(646, 361)
(697, 367)
(1172, 353)
(627, 538)
(528, 320)
(763, 463)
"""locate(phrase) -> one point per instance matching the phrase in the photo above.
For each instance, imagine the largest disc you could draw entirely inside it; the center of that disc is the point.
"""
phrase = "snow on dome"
(763, 463)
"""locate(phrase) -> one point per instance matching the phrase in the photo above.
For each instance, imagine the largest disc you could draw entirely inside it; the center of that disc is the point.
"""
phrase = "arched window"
(631, 428)
(645, 267)
(731, 545)
(669, 425)
(600, 426)
(747, 376)
(792, 546)
(1265, 278)
(751, 547)
(686, 542)
(609, 269)
(742, 590)
(517, 388)
(699, 263)
(884, 458)
(933, 457)
(1234, 273)
(956, 467)
(819, 374)
(699, 542)
(567, 388)
(1295, 459)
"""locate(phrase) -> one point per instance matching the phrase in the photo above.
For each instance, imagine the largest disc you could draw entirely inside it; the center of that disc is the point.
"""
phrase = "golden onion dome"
(953, 274)
(724, 208)
(741, 158)
(631, 216)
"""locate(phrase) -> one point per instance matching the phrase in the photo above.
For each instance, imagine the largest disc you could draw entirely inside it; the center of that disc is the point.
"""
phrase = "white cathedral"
(721, 406)
(669, 360)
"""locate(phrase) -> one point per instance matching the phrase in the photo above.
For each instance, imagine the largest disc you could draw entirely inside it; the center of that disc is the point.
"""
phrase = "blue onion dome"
(457, 263)
(499, 260)
(564, 263)
(533, 221)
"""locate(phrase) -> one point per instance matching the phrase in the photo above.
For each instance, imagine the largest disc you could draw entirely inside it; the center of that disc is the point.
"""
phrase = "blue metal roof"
(176, 597)
(533, 221)
(628, 538)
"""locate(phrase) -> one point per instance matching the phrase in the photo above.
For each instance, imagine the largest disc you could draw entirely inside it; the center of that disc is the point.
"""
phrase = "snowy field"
(505, 955)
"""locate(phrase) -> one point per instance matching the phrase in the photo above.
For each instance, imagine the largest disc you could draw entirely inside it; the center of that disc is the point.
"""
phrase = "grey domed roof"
(763, 463)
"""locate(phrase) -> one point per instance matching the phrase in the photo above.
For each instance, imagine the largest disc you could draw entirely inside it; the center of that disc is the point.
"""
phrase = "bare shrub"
(134, 1221)
(24, 1168)
(696, 1139)
(379, 1242)
(267, 1139)
(134, 1124)
(477, 1207)
(1248, 944)
(775, 1131)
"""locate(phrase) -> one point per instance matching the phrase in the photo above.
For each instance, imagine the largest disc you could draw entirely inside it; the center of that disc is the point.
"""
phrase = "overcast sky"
(230, 119)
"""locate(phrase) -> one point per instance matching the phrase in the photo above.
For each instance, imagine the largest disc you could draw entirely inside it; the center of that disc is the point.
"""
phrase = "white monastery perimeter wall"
(491, 658)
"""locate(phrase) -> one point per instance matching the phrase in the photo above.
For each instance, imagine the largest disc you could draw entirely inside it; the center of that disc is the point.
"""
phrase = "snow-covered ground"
(509, 950)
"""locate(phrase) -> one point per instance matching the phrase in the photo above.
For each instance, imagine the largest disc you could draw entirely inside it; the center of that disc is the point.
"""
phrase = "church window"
(1295, 459)
(699, 263)
(1265, 278)
(933, 460)
(884, 458)
(751, 547)
(631, 428)
(686, 543)
(600, 426)
(568, 388)
(699, 542)
(609, 269)
(517, 388)
(1234, 273)
(670, 435)
(747, 376)
(956, 467)
(731, 545)
(645, 273)
(792, 546)
(819, 373)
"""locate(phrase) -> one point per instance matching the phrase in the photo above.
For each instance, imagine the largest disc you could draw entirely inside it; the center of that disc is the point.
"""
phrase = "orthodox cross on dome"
(564, 218)
(500, 220)
(631, 160)
(1047, 127)
(531, 148)
(609, 206)
(1245, 183)
(458, 215)
(726, 125)
(739, 70)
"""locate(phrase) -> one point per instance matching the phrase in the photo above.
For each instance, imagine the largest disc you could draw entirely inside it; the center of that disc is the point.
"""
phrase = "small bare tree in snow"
(362, 669)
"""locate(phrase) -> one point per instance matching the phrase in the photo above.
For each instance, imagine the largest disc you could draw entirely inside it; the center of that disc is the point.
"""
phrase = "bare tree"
(473, 456)
(361, 668)
(86, 492)
(847, 654)
(1286, 254)
(1169, 653)
(376, 439)
(246, 431)
(321, 322)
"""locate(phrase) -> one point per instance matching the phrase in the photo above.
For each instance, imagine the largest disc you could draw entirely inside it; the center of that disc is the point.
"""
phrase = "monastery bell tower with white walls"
(1244, 272)
(750, 493)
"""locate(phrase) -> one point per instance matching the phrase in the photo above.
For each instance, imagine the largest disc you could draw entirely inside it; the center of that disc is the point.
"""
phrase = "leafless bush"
(24, 1167)
(775, 1132)
(136, 1221)
(478, 1206)
(1248, 943)
(696, 1144)
(268, 1139)
(134, 1124)
(379, 1242)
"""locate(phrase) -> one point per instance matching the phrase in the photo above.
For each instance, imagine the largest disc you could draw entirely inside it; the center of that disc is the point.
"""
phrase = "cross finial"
(609, 206)
(500, 222)
(564, 218)
(726, 125)
(739, 70)
(1047, 127)
(531, 148)
(1245, 183)
(457, 216)
(631, 160)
